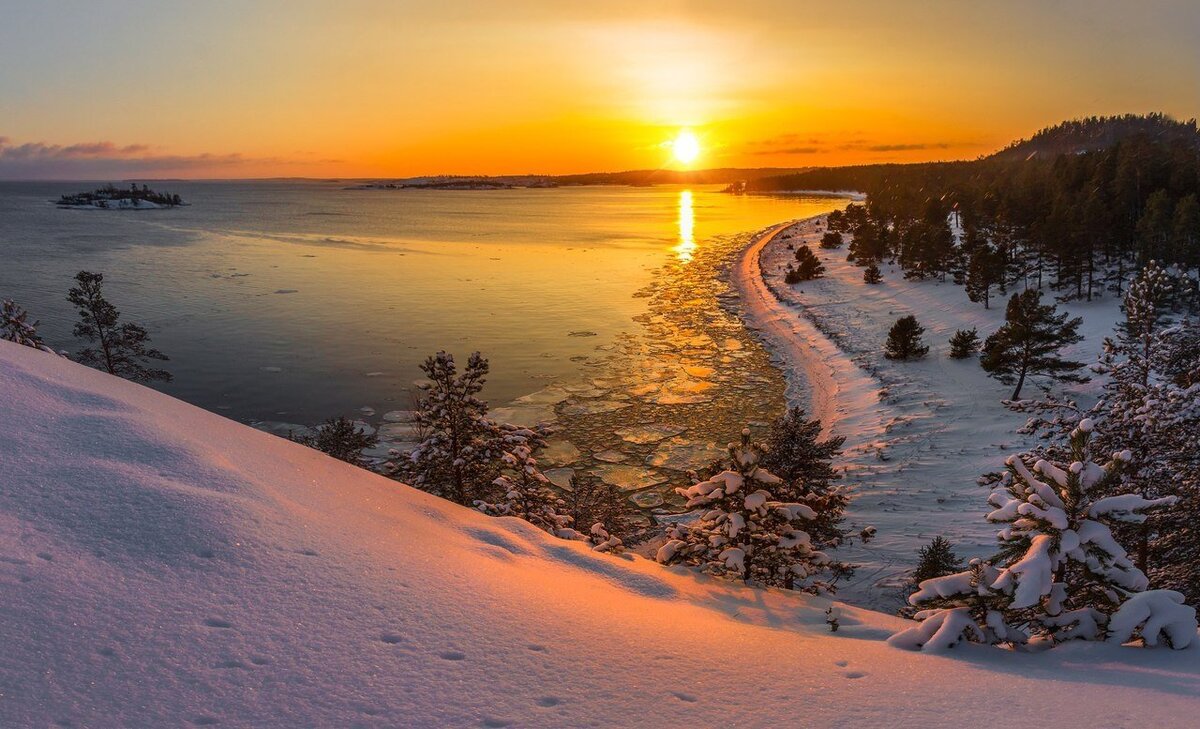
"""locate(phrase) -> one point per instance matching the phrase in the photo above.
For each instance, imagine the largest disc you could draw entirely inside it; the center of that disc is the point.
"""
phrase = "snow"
(919, 433)
(161, 565)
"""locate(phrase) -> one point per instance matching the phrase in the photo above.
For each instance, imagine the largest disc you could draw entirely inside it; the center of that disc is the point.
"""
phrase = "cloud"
(791, 150)
(797, 144)
(96, 160)
(906, 147)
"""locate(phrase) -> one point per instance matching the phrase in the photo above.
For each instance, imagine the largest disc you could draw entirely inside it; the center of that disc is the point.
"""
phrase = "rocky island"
(111, 197)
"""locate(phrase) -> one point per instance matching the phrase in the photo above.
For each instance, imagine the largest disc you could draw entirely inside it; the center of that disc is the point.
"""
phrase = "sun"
(685, 147)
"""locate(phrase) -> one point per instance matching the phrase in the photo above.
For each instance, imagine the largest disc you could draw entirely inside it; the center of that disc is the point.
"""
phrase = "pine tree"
(794, 452)
(601, 511)
(15, 327)
(871, 273)
(526, 493)
(743, 531)
(1028, 343)
(831, 239)
(459, 456)
(904, 340)
(936, 559)
(342, 439)
(1149, 408)
(1060, 574)
(808, 266)
(964, 343)
(120, 348)
(985, 269)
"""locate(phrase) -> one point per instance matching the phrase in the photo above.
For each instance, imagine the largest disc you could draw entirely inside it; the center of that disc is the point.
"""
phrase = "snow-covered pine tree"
(601, 511)
(459, 456)
(904, 340)
(1060, 574)
(1138, 403)
(794, 451)
(342, 439)
(1029, 341)
(120, 348)
(872, 274)
(526, 493)
(16, 327)
(964, 343)
(743, 532)
(808, 266)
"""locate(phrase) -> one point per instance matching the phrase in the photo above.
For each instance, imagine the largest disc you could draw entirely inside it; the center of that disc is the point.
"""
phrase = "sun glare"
(686, 147)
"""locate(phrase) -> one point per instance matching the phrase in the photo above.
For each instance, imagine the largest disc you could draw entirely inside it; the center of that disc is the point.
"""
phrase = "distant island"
(631, 178)
(111, 197)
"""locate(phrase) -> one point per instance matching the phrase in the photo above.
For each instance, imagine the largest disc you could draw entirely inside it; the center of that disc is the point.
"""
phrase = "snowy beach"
(918, 434)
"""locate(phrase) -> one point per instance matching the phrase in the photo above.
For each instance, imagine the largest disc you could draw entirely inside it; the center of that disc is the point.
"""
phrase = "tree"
(985, 269)
(964, 343)
(871, 273)
(1060, 575)
(1151, 404)
(744, 532)
(831, 239)
(904, 340)
(936, 559)
(808, 266)
(601, 511)
(459, 456)
(1028, 343)
(526, 493)
(342, 439)
(121, 349)
(15, 327)
(794, 451)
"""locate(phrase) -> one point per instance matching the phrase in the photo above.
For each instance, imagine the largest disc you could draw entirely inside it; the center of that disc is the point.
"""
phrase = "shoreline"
(818, 373)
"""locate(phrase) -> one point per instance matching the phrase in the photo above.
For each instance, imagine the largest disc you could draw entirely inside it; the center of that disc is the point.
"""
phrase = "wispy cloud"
(94, 160)
(797, 144)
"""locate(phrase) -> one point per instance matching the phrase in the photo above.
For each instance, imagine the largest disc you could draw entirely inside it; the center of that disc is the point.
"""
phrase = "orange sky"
(249, 89)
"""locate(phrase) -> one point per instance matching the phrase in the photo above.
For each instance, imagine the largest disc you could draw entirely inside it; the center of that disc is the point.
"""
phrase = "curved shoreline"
(819, 374)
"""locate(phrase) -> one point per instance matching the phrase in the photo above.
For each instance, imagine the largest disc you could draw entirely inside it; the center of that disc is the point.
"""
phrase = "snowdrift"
(161, 565)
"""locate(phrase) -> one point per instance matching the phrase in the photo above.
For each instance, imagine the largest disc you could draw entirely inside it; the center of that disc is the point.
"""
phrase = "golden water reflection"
(685, 249)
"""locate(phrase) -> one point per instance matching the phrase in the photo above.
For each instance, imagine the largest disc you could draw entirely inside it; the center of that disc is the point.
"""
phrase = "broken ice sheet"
(643, 434)
(629, 478)
(680, 454)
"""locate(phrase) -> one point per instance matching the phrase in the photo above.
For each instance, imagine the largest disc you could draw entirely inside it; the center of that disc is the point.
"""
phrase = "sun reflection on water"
(685, 249)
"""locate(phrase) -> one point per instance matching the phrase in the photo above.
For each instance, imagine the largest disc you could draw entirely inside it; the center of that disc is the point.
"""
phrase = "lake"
(293, 301)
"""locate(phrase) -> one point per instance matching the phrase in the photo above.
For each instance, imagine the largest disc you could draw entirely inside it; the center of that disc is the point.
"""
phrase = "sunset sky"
(369, 89)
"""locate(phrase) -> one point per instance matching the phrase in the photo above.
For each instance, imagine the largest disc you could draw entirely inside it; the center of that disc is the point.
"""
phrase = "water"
(298, 300)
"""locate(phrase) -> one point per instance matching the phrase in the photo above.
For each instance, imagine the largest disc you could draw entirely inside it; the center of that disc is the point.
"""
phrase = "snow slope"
(163, 566)
(919, 434)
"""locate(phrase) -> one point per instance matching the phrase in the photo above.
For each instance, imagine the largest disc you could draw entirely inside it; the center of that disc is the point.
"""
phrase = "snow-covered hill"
(161, 565)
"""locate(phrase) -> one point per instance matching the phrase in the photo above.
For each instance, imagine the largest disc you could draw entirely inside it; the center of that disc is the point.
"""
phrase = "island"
(111, 197)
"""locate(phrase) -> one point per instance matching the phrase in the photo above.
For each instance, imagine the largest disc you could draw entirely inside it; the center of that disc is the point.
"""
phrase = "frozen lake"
(293, 301)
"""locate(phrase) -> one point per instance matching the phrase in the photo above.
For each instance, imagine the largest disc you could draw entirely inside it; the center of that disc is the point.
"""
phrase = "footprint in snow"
(536, 647)
(841, 664)
(549, 701)
(854, 674)
(392, 638)
(217, 623)
(684, 697)
(452, 655)
(495, 723)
